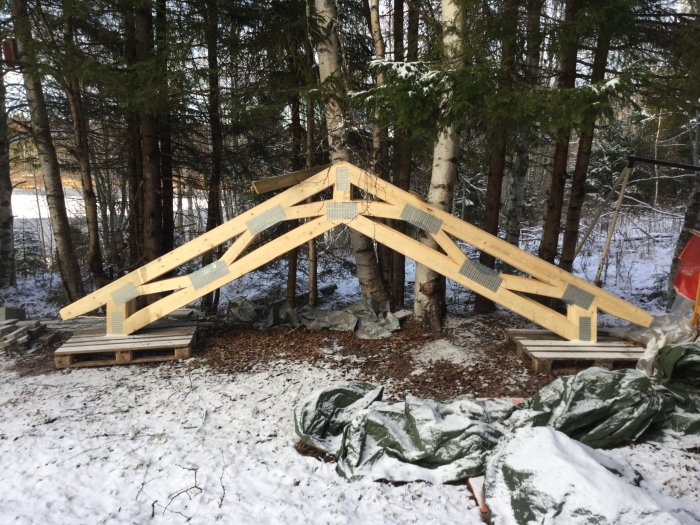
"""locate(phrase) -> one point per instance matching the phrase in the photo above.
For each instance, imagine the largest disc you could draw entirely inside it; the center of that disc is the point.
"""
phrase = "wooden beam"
(532, 310)
(453, 251)
(174, 283)
(285, 181)
(517, 283)
(198, 246)
(238, 247)
(245, 264)
(499, 248)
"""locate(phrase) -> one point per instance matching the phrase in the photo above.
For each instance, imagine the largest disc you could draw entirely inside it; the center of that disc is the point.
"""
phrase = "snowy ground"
(178, 441)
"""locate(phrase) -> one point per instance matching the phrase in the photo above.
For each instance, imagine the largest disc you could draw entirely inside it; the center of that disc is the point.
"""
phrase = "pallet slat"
(544, 348)
(154, 345)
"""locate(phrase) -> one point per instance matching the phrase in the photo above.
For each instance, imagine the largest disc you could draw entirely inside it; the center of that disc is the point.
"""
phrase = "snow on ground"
(176, 441)
(442, 350)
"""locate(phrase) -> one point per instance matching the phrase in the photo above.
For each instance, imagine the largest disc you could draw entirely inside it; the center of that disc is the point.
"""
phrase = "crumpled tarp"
(321, 418)
(539, 475)
(418, 439)
(670, 328)
(421, 439)
(599, 407)
(367, 319)
(677, 372)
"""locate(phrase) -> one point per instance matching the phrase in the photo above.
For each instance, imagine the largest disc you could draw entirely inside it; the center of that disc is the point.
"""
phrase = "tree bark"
(297, 164)
(402, 148)
(41, 131)
(310, 160)
(8, 276)
(73, 92)
(555, 196)
(328, 49)
(429, 302)
(524, 137)
(164, 132)
(380, 153)
(497, 137)
(583, 159)
(150, 151)
(217, 136)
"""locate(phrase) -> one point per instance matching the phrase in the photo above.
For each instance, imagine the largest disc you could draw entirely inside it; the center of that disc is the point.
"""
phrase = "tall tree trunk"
(533, 43)
(328, 49)
(429, 302)
(73, 90)
(164, 132)
(150, 151)
(497, 137)
(583, 159)
(555, 195)
(217, 136)
(8, 275)
(41, 131)
(379, 154)
(134, 164)
(297, 164)
(402, 146)
(310, 161)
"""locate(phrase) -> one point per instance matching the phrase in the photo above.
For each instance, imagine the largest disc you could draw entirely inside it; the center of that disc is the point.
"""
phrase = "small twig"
(221, 480)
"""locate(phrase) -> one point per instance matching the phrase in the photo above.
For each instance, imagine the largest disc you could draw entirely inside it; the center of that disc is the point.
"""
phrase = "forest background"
(511, 114)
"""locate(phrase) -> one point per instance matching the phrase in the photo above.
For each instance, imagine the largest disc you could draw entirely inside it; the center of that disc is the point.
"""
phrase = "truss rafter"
(382, 201)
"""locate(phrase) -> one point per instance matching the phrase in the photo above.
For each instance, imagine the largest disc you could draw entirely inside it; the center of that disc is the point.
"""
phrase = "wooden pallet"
(93, 348)
(544, 348)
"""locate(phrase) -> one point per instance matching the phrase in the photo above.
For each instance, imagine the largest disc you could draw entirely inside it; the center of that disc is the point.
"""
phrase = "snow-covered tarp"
(421, 439)
(540, 475)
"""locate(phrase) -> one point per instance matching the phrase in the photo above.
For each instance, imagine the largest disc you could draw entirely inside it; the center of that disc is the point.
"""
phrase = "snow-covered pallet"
(544, 348)
(93, 348)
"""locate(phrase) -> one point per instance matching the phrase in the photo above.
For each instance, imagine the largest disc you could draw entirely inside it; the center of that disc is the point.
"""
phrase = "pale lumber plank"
(541, 333)
(539, 343)
(285, 181)
(238, 247)
(516, 283)
(249, 262)
(585, 356)
(125, 345)
(174, 283)
(442, 264)
(198, 246)
(449, 247)
(499, 248)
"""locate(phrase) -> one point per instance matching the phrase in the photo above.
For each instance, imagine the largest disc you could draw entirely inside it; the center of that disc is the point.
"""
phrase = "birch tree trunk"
(429, 302)
(8, 275)
(328, 49)
(41, 132)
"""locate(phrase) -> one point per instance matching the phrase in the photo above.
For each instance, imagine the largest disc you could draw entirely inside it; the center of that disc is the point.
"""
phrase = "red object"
(9, 51)
(686, 280)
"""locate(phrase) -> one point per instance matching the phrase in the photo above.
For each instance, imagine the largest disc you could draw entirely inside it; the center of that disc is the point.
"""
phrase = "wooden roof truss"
(381, 200)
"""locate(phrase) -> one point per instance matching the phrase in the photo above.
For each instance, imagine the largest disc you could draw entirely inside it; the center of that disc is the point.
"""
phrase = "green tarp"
(450, 440)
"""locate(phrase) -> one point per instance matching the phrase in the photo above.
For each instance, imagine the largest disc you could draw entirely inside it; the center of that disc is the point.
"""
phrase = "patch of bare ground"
(37, 360)
(471, 355)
